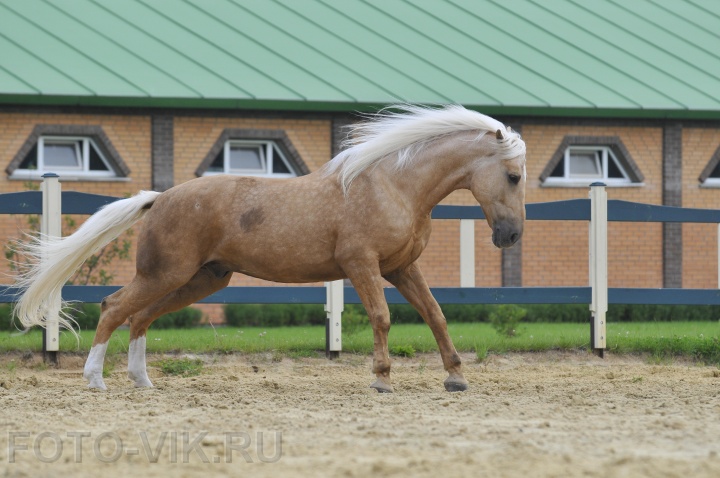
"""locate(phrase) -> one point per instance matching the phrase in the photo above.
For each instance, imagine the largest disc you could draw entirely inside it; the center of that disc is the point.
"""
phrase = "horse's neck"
(437, 170)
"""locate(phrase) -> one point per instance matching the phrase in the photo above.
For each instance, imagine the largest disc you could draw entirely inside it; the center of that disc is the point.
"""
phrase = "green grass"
(184, 367)
(697, 340)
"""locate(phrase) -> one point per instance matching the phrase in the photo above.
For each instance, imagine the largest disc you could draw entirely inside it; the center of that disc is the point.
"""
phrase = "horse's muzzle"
(505, 234)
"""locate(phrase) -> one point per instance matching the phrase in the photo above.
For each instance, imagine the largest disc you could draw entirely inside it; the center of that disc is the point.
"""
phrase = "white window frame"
(271, 154)
(606, 155)
(82, 171)
(711, 182)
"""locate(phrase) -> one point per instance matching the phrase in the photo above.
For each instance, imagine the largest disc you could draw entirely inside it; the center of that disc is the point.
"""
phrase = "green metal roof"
(639, 58)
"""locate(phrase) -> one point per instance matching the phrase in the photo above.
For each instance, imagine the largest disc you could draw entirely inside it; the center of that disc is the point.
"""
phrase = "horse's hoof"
(382, 387)
(140, 380)
(455, 386)
(97, 385)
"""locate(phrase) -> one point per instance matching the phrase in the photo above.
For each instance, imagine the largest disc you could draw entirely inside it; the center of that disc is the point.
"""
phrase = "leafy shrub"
(86, 316)
(557, 313)
(274, 315)
(506, 318)
(271, 315)
(468, 312)
(184, 318)
(354, 320)
(402, 351)
(6, 317)
(404, 314)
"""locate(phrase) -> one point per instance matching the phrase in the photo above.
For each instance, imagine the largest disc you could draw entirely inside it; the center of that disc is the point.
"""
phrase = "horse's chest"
(410, 250)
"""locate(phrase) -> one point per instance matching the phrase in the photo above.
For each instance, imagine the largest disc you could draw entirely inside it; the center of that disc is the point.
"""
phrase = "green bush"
(6, 317)
(402, 351)
(184, 318)
(506, 319)
(557, 313)
(406, 314)
(355, 317)
(85, 315)
(274, 315)
(354, 320)
(662, 313)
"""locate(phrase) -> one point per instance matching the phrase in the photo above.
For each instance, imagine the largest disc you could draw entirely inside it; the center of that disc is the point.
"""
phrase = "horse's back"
(277, 229)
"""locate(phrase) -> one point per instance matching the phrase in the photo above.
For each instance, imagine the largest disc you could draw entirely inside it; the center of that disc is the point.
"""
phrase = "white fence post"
(51, 225)
(598, 266)
(334, 306)
(467, 253)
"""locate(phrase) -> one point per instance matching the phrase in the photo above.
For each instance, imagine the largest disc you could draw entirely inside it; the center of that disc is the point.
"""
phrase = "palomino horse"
(365, 216)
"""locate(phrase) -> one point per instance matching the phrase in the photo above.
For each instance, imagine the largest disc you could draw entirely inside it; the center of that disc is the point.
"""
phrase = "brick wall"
(555, 253)
(194, 136)
(700, 261)
(129, 134)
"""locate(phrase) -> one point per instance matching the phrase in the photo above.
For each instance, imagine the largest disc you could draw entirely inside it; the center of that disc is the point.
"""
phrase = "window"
(253, 152)
(73, 152)
(582, 160)
(251, 158)
(588, 163)
(714, 177)
(710, 176)
(63, 155)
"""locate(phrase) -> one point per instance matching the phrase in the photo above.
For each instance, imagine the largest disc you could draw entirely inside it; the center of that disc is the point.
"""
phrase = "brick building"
(122, 96)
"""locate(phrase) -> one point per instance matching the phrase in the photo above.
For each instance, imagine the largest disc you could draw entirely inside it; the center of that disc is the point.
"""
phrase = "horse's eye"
(514, 178)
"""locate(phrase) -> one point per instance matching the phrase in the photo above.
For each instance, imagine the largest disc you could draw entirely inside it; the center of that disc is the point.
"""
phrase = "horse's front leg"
(368, 283)
(411, 284)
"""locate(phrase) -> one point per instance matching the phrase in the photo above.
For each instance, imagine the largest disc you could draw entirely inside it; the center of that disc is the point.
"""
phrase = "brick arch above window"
(712, 169)
(613, 143)
(278, 137)
(93, 132)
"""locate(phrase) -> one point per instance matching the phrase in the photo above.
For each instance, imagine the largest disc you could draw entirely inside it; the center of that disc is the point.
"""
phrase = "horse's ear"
(499, 135)
(509, 129)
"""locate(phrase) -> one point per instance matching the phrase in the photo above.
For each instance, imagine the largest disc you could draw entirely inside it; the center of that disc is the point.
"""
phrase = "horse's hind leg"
(116, 308)
(411, 284)
(207, 280)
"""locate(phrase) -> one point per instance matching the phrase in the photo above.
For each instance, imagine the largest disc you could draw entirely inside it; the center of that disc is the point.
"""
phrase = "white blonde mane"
(407, 131)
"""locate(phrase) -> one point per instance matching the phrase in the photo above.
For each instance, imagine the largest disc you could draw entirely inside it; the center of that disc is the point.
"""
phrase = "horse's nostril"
(514, 237)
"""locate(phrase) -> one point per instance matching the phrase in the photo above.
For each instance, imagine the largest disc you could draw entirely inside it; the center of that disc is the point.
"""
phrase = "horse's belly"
(279, 263)
(292, 274)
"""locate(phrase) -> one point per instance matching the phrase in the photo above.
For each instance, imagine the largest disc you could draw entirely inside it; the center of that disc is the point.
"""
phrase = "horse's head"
(498, 184)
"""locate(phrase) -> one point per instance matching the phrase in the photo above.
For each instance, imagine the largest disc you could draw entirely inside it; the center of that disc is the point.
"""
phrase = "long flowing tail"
(54, 260)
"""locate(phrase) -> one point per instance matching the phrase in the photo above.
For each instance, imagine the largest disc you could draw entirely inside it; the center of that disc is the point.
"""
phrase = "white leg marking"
(94, 366)
(137, 371)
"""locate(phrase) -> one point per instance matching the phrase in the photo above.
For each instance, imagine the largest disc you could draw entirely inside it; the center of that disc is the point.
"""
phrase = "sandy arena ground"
(526, 415)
